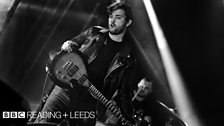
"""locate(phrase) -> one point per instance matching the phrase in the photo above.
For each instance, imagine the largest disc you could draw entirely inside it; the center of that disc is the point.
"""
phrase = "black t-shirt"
(99, 67)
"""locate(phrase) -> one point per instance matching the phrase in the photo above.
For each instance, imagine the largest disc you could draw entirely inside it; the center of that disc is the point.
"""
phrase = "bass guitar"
(69, 68)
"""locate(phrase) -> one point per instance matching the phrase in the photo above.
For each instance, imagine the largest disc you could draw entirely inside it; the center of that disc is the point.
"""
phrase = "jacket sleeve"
(81, 39)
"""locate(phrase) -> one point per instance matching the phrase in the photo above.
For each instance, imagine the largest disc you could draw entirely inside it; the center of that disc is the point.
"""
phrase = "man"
(111, 67)
(151, 110)
(142, 96)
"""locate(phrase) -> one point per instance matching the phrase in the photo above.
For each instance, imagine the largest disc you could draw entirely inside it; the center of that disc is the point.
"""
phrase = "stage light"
(176, 83)
(5, 7)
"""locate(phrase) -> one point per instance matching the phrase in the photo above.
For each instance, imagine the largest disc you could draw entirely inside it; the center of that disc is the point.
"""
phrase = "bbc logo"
(13, 114)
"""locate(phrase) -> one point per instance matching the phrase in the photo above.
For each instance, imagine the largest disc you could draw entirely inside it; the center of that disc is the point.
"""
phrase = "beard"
(116, 30)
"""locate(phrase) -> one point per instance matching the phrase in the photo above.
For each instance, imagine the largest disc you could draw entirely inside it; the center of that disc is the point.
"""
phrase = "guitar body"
(67, 68)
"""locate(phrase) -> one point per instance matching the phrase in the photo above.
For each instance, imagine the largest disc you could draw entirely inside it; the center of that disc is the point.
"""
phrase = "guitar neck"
(100, 97)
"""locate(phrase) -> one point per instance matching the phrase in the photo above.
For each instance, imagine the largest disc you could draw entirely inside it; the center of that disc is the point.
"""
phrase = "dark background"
(193, 29)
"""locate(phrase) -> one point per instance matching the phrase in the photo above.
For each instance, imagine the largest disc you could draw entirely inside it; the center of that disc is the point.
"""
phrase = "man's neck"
(117, 38)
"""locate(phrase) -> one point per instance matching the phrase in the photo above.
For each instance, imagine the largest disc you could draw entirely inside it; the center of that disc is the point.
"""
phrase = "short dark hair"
(121, 5)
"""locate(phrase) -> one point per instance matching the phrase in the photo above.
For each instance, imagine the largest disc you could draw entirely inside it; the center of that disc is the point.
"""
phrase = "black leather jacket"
(122, 72)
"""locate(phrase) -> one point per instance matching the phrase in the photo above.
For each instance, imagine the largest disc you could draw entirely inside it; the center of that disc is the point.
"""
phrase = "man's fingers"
(67, 46)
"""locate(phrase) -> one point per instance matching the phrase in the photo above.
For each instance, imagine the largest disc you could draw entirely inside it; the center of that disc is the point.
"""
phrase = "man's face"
(117, 22)
(147, 90)
(144, 92)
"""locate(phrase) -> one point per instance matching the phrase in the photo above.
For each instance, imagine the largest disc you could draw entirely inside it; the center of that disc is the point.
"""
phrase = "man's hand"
(142, 84)
(67, 46)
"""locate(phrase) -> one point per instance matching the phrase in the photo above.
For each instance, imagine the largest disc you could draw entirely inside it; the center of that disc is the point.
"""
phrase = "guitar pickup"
(71, 68)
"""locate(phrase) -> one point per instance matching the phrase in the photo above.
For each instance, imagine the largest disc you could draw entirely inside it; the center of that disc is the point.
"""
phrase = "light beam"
(181, 98)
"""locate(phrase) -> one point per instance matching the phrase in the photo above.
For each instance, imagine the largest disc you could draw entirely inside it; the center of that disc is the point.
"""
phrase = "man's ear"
(129, 23)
